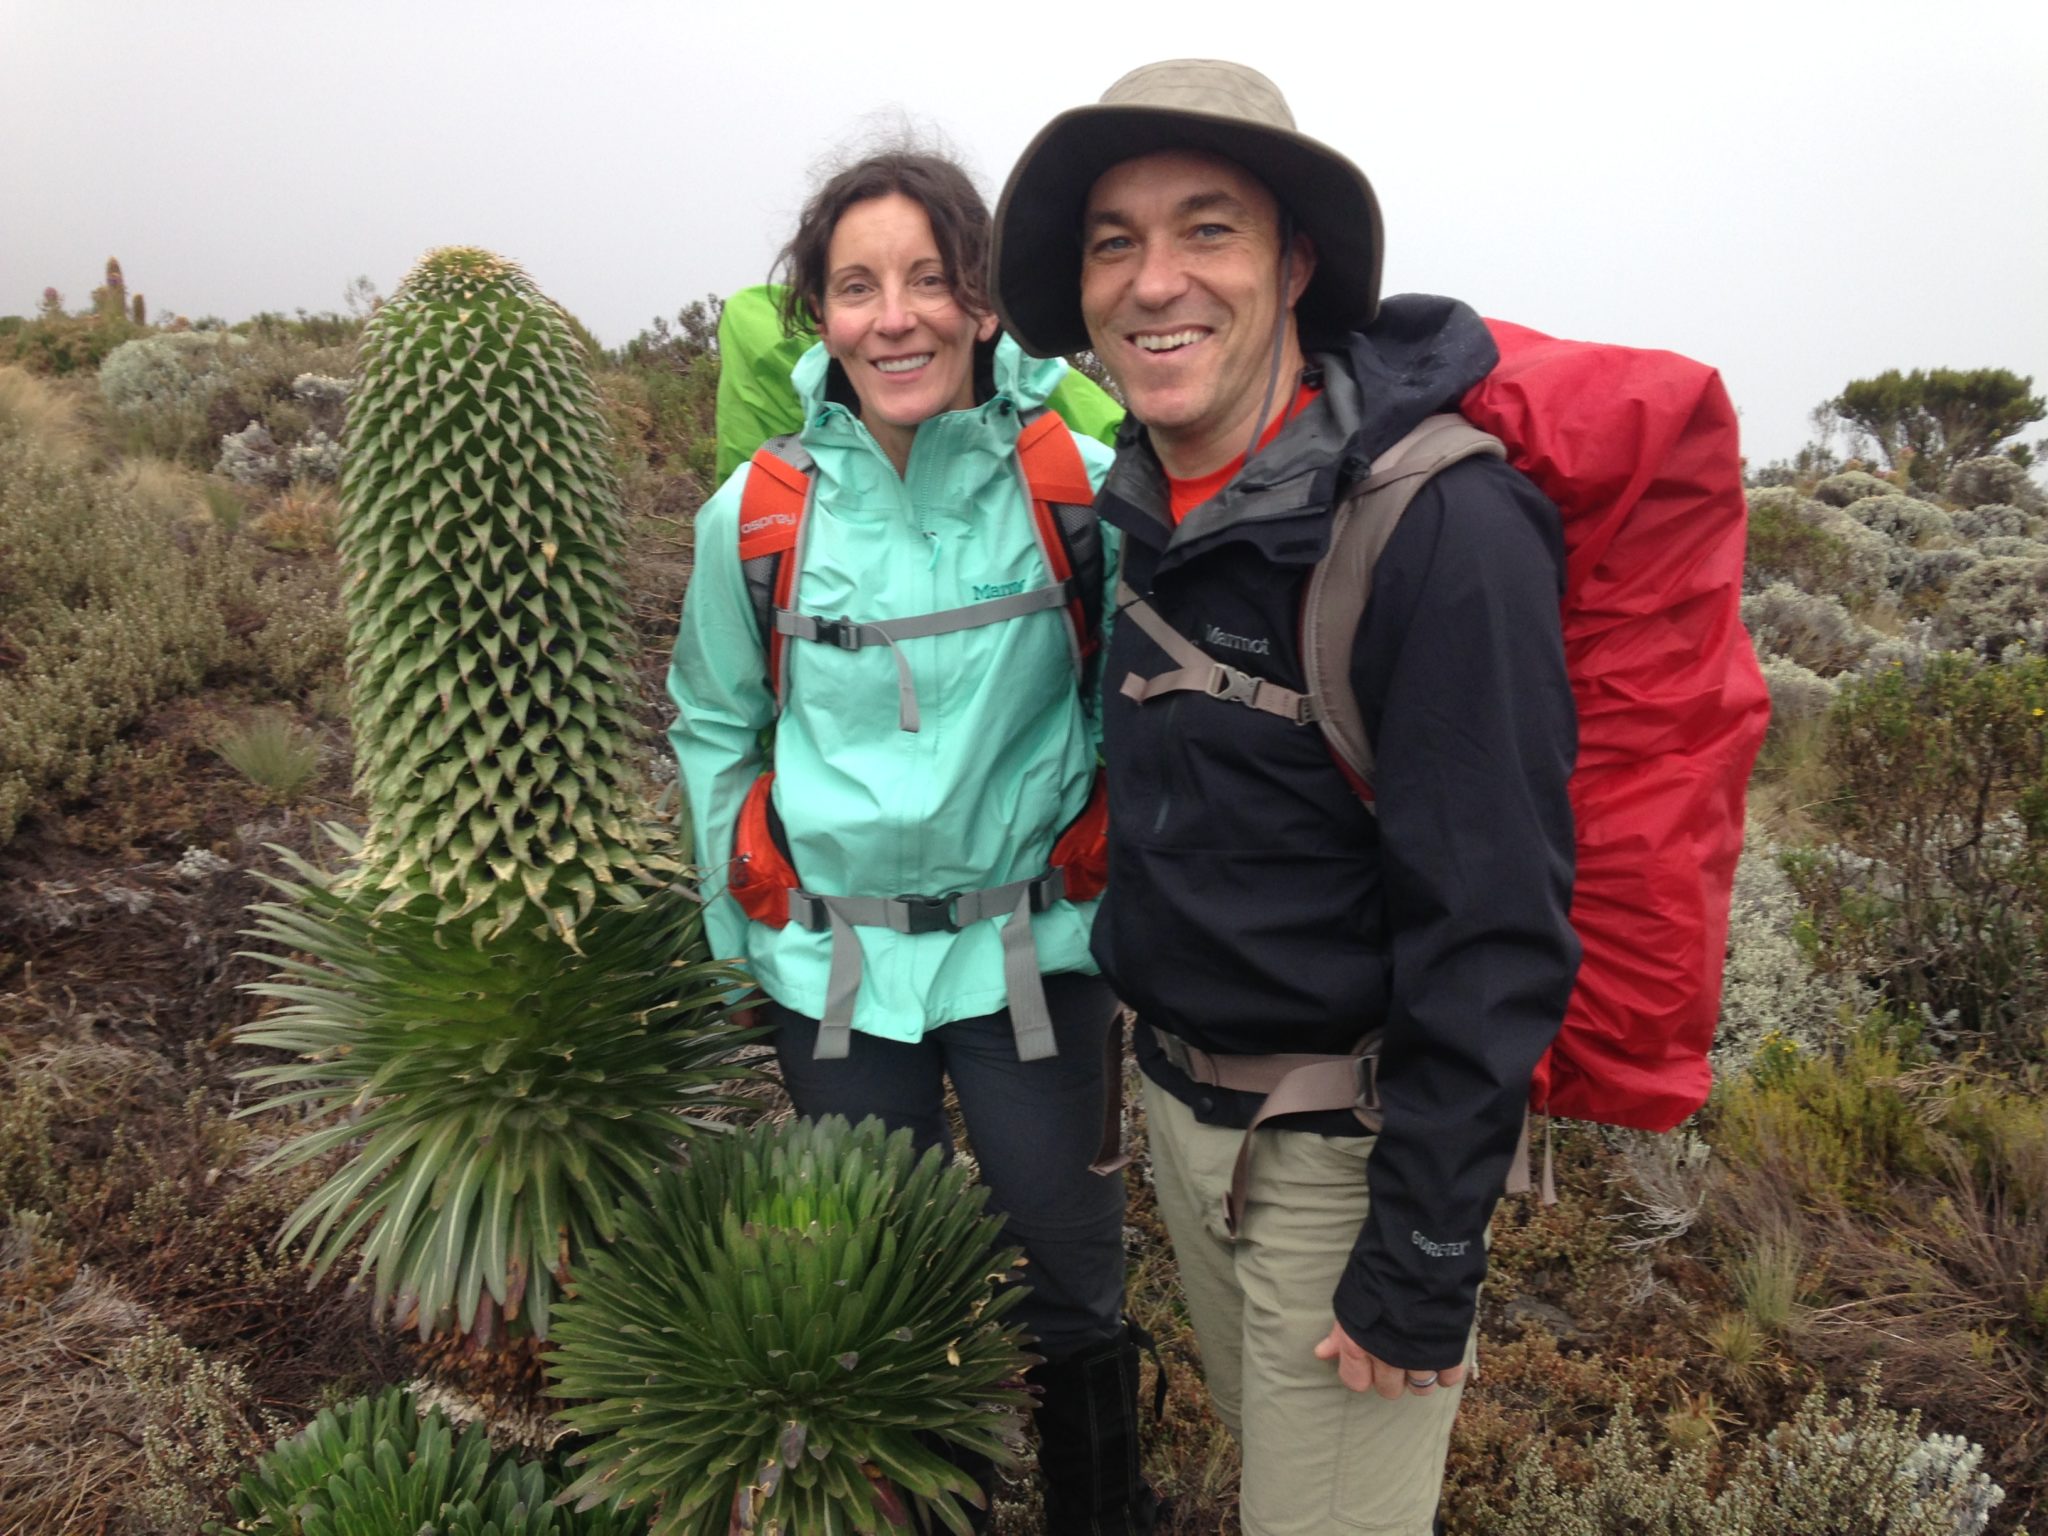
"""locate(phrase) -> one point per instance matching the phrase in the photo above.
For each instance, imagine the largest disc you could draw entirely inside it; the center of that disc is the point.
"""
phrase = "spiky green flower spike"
(785, 1331)
(487, 624)
(503, 1008)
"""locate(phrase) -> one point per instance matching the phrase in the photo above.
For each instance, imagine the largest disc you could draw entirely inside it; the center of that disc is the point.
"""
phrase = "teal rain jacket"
(1007, 748)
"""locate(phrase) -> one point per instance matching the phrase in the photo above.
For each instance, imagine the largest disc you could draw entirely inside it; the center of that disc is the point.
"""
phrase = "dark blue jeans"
(1035, 1126)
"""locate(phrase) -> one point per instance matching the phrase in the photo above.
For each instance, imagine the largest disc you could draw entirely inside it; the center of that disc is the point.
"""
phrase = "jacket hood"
(1420, 357)
(1026, 381)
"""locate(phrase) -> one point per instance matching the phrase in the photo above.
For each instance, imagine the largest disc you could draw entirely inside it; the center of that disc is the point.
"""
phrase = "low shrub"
(195, 1428)
(1924, 577)
(1976, 482)
(1858, 1470)
(1800, 697)
(1937, 888)
(1789, 542)
(1850, 486)
(1809, 628)
(1902, 519)
(1771, 990)
(1917, 1199)
(253, 457)
(1997, 519)
(103, 613)
(160, 388)
(1997, 604)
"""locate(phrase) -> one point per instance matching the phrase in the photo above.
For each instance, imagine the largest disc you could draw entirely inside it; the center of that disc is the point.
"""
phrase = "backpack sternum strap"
(850, 635)
(1199, 672)
(1015, 902)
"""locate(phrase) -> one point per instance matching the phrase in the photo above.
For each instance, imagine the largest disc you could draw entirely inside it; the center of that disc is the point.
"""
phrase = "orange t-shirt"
(1183, 496)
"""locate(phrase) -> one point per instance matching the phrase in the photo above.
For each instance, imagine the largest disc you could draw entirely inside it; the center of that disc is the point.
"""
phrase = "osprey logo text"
(1438, 1250)
(998, 589)
(773, 519)
(1230, 642)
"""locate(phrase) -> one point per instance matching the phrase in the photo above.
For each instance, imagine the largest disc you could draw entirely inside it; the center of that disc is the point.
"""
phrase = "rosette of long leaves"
(504, 1097)
(785, 1330)
(377, 1468)
(488, 645)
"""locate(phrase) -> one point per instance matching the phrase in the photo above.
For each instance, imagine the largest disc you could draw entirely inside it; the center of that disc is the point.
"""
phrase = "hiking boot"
(1088, 1441)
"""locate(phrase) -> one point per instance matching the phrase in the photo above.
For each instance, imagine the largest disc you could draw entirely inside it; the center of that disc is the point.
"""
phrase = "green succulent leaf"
(375, 1467)
(497, 1102)
(783, 1331)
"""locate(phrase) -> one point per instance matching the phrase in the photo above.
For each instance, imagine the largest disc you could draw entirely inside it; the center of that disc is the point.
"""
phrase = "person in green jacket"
(879, 785)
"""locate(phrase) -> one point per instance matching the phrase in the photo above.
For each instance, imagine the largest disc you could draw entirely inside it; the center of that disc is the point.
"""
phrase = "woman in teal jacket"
(880, 782)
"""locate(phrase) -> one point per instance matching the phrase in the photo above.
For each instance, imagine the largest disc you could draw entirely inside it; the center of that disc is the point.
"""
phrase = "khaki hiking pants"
(1318, 1457)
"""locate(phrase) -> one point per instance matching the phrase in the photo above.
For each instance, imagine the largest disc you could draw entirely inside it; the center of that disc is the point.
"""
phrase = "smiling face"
(1180, 287)
(891, 319)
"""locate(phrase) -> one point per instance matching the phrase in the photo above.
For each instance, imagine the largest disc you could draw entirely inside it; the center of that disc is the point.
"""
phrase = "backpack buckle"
(1365, 1070)
(1233, 686)
(925, 914)
(842, 632)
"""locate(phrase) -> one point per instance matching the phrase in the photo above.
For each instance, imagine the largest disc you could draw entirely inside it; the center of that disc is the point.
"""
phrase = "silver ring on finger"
(1422, 1381)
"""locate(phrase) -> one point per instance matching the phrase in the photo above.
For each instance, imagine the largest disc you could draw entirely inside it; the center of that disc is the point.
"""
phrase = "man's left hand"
(1363, 1371)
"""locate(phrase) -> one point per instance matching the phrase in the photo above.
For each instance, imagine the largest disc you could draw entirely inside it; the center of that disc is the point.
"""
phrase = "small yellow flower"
(2039, 713)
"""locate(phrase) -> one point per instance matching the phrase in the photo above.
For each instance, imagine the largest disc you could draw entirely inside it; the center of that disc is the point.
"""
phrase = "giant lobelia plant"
(501, 1006)
(785, 1335)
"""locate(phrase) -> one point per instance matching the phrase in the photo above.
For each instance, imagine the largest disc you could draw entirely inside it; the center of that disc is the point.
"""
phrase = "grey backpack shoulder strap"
(1364, 519)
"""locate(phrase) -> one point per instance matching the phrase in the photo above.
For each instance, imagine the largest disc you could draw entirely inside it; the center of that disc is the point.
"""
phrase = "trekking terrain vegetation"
(1819, 1307)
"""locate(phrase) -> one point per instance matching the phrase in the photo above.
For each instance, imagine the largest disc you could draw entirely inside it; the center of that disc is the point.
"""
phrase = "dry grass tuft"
(169, 490)
(42, 412)
(67, 1452)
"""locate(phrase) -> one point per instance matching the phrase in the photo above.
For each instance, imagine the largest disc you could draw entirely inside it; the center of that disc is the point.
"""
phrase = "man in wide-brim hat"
(1225, 269)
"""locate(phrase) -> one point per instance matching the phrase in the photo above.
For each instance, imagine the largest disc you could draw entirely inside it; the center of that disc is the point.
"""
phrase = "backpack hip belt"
(1015, 901)
(1298, 1083)
(1292, 1084)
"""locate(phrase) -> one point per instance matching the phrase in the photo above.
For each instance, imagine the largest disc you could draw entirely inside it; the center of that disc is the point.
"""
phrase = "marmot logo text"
(1230, 642)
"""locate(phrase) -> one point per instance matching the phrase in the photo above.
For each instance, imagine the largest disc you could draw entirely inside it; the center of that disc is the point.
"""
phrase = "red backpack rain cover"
(1638, 451)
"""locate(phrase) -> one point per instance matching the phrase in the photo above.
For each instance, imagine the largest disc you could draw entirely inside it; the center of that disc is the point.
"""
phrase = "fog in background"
(1798, 193)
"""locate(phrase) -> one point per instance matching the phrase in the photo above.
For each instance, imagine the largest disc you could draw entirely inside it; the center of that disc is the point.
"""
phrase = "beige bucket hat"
(1208, 104)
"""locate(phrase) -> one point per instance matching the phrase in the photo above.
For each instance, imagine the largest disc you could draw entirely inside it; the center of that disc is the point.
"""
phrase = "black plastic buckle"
(929, 914)
(1366, 1071)
(844, 633)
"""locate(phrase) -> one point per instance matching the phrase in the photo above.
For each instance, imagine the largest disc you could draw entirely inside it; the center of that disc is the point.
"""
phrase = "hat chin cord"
(1279, 335)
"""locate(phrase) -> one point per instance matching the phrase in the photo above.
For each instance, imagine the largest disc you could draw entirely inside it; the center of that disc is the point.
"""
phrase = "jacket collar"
(1291, 482)
(1420, 357)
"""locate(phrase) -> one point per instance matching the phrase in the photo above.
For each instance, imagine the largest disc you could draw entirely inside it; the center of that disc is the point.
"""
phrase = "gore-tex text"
(1439, 1250)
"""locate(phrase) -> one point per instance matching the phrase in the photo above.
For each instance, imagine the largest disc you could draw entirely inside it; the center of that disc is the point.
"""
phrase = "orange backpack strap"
(771, 519)
(1063, 511)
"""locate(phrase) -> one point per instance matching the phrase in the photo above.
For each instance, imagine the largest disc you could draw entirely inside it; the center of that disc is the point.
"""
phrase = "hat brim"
(1037, 254)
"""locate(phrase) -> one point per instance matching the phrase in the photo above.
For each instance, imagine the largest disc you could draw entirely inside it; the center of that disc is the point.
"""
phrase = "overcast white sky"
(1800, 193)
